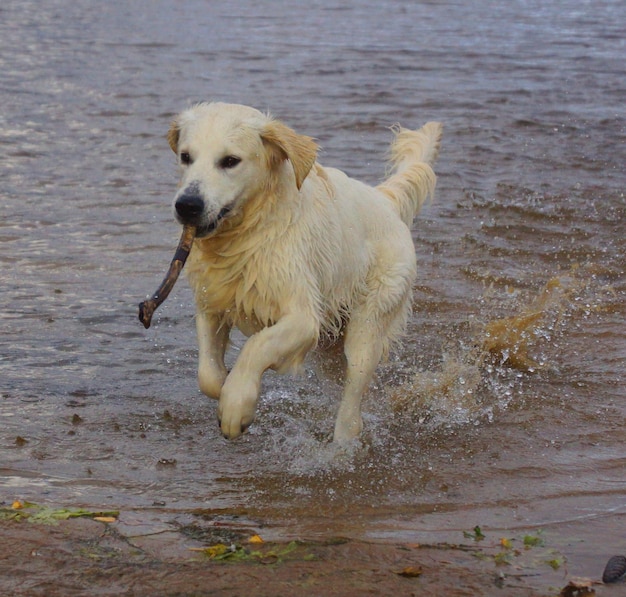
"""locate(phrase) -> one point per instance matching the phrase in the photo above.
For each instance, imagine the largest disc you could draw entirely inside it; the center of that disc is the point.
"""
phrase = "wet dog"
(287, 251)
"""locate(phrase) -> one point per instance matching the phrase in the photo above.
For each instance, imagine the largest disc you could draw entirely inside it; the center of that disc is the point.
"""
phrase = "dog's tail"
(413, 180)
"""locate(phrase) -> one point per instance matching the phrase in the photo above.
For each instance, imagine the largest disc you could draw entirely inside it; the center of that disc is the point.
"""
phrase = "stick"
(148, 307)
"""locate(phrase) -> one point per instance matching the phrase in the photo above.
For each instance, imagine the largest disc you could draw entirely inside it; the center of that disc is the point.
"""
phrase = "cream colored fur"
(304, 251)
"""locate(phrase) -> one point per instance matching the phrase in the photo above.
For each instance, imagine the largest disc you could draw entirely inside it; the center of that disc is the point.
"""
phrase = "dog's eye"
(230, 161)
(185, 158)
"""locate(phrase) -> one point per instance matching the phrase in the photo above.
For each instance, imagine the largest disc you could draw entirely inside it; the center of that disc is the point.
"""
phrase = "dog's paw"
(237, 408)
(233, 428)
(347, 428)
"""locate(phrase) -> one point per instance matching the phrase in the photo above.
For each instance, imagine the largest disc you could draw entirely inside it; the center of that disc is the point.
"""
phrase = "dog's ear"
(173, 134)
(286, 144)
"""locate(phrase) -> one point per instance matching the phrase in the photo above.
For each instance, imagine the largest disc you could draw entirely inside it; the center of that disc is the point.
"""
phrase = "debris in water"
(163, 462)
(578, 587)
(476, 534)
(46, 515)
(256, 539)
(615, 570)
(410, 572)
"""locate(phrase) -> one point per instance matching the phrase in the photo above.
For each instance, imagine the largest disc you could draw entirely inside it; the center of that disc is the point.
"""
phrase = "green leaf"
(532, 541)
(476, 535)
(46, 515)
(555, 563)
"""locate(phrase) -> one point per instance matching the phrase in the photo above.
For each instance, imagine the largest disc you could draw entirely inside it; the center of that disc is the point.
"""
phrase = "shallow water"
(529, 221)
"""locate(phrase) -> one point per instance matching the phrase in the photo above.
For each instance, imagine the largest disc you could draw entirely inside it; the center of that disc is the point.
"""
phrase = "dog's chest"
(245, 288)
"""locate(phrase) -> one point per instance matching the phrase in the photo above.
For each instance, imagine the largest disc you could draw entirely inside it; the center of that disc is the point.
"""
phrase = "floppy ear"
(286, 144)
(173, 134)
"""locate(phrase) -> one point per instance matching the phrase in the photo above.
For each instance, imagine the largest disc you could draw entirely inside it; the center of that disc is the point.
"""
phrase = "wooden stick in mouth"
(149, 306)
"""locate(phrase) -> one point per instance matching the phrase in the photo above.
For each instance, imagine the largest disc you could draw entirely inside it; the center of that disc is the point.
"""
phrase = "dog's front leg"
(213, 335)
(282, 346)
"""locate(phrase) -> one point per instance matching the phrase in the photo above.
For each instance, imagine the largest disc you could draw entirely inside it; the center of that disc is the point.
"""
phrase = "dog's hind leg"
(373, 326)
(213, 335)
(363, 347)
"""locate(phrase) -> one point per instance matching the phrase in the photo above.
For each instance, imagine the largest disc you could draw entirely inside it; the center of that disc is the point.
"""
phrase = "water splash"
(508, 340)
(487, 366)
(484, 372)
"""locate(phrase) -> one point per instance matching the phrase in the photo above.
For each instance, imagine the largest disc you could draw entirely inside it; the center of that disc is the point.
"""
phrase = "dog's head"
(230, 155)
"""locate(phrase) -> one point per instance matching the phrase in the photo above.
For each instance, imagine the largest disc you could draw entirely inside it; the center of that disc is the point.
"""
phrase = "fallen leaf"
(46, 515)
(555, 563)
(533, 540)
(256, 539)
(476, 534)
(410, 572)
(105, 518)
(216, 550)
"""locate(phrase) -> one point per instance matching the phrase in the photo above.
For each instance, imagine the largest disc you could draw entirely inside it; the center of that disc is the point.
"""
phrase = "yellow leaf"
(17, 505)
(410, 572)
(506, 543)
(105, 518)
(216, 550)
(256, 539)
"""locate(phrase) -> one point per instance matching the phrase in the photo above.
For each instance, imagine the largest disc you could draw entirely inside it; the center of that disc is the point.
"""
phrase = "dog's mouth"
(205, 229)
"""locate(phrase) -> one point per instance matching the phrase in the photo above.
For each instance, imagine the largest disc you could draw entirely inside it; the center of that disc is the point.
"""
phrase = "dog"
(290, 252)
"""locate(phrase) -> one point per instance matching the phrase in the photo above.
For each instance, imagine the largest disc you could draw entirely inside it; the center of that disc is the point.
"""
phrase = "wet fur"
(304, 251)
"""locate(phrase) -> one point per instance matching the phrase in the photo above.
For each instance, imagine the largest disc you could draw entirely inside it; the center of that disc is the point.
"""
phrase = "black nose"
(189, 207)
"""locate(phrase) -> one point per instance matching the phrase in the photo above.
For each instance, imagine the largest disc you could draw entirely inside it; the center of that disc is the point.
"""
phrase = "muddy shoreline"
(85, 557)
(140, 556)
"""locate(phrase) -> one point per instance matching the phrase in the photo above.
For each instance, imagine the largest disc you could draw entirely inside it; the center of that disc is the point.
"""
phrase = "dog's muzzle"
(189, 208)
(190, 211)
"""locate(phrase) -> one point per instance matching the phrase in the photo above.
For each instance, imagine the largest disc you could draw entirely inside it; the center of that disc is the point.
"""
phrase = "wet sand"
(47, 553)
(85, 557)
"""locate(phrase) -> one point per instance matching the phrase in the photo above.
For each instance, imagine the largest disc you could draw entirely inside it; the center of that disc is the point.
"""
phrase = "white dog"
(289, 251)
